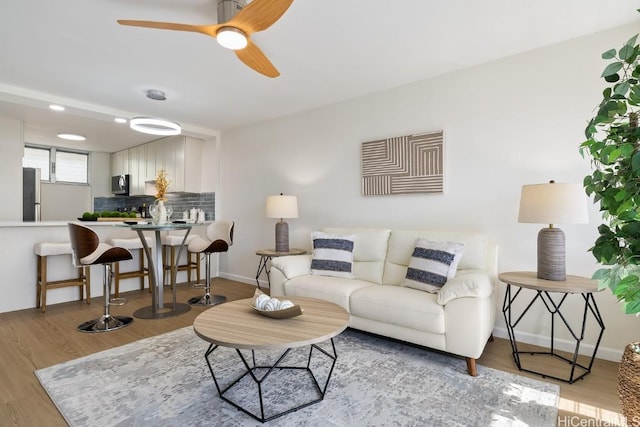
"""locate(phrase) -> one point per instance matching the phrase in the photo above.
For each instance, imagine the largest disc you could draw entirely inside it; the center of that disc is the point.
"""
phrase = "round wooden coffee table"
(238, 325)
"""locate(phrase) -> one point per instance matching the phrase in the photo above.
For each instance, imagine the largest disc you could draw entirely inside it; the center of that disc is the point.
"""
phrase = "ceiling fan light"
(231, 38)
(155, 126)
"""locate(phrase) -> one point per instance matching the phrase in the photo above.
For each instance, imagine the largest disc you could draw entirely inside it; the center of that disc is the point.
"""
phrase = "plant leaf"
(622, 88)
(627, 52)
(635, 162)
(612, 69)
(610, 54)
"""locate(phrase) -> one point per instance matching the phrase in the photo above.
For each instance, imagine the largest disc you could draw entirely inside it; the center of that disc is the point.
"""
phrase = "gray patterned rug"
(165, 381)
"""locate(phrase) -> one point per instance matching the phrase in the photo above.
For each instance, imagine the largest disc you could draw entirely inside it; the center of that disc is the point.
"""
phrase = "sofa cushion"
(333, 289)
(432, 264)
(400, 306)
(369, 251)
(402, 243)
(332, 254)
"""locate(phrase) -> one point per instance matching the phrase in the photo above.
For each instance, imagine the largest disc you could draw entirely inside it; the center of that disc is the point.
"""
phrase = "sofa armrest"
(292, 266)
(285, 268)
(466, 283)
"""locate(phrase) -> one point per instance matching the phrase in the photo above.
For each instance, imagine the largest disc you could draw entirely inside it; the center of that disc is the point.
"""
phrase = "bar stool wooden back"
(219, 237)
(132, 244)
(43, 250)
(88, 250)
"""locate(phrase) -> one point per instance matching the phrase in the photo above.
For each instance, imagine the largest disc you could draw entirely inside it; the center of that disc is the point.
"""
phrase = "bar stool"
(43, 250)
(87, 250)
(169, 244)
(132, 244)
(219, 237)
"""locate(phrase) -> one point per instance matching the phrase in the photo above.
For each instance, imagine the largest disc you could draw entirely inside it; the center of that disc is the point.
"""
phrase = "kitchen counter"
(60, 223)
(18, 266)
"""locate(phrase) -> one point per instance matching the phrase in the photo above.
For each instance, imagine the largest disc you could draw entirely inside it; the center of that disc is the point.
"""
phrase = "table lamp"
(282, 207)
(552, 203)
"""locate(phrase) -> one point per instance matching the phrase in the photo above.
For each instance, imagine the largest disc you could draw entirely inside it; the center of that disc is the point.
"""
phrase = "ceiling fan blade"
(259, 15)
(253, 57)
(209, 30)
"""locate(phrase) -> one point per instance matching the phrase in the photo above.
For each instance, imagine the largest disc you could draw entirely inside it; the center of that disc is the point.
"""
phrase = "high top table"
(238, 325)
(158, 308)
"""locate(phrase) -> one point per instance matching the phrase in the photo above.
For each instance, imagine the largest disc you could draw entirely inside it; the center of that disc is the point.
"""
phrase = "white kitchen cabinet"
(150, 161)
(183, 156)
(120, 163)
(137, 170)
(179, 155)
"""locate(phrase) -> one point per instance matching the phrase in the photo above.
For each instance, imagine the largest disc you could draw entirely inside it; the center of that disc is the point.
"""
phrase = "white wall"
(511, 122)
(11, 143)
(64, 202)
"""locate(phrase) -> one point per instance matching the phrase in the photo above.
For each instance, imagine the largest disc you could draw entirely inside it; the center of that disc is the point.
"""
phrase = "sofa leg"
(471, 367)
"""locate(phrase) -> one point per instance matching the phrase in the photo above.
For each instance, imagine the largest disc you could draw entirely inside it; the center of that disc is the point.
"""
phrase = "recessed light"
(71, 137)
(154, 126)
(56, 107)
(120, 120)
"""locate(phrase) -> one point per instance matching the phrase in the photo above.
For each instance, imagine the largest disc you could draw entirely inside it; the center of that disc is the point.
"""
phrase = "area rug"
(165, 381)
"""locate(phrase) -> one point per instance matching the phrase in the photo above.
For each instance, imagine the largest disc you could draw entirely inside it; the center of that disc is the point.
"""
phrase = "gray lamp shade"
(552, 203)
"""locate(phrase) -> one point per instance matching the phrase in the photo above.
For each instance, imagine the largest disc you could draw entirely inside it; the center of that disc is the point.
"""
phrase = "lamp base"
(551, 254)
(282, 237)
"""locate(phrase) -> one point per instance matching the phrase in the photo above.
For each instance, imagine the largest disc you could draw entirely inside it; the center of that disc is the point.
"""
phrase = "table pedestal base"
(208, 300)
(169, 310)
(259, 374)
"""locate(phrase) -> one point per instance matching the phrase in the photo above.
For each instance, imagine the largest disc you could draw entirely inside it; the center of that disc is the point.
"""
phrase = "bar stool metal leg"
(107, 322)
(207, 298)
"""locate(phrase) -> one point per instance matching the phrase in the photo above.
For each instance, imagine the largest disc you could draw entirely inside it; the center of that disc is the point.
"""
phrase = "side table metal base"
(259, 374)
(576, 370)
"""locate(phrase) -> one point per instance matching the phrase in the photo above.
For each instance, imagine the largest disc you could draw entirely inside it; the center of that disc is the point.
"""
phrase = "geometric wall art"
(403, 165)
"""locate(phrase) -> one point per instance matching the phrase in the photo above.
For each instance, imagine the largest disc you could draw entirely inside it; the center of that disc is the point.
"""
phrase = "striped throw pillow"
(432, 264)
(332, 255)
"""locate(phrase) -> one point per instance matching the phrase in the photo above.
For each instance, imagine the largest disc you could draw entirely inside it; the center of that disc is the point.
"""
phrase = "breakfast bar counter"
(18, 263)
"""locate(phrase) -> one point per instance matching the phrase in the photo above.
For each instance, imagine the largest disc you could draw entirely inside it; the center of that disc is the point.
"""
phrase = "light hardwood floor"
(31, 340)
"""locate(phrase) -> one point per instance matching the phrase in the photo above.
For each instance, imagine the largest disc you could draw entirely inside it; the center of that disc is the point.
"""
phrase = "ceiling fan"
(236, 22)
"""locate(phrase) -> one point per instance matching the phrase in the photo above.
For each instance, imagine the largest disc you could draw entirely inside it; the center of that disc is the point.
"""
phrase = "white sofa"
(458, 319)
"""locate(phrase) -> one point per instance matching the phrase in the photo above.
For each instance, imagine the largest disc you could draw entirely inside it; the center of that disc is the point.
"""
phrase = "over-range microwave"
(120, 185)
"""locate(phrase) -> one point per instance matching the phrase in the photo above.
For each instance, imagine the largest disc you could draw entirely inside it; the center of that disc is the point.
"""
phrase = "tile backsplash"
(180, 202)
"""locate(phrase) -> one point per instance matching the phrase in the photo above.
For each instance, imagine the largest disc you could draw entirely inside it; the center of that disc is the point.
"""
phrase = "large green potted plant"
(613, 144)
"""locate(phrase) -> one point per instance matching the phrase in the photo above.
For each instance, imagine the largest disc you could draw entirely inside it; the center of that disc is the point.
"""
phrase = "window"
(58, 165)
(71, 167)
(37, 158)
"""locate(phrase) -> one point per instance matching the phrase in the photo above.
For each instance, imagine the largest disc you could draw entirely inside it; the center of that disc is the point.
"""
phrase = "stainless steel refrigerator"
(31, 194)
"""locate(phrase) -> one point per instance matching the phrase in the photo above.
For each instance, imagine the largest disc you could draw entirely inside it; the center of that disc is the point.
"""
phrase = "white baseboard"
(605, 353)
(242, 279)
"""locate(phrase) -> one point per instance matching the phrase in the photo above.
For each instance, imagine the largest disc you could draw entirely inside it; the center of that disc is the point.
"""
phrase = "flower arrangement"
(162, 183)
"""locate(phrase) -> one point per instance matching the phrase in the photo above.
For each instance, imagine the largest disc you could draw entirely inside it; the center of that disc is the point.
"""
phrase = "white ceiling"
(73, 52)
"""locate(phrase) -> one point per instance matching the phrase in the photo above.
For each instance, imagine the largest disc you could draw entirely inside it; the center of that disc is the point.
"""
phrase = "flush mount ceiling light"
(156, 95)
(56, 107)
(155, 126)
(120, 120)
(71, 137)
(231, 38)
